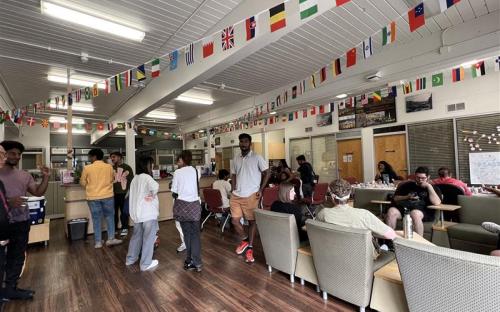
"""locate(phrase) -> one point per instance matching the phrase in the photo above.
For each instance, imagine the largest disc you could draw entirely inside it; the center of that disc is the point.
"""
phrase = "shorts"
(428, 213)
(244, 206)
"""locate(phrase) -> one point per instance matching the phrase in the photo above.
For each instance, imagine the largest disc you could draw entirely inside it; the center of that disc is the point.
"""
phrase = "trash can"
(77, 229)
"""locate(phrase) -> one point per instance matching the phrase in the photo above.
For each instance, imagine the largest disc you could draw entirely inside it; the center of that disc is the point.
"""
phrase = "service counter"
(76, 203)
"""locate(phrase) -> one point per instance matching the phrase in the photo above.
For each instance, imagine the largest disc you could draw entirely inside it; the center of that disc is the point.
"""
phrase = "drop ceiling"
(29, 40)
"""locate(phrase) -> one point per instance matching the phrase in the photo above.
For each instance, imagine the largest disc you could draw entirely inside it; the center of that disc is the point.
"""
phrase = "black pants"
(307, 190)
(119, 206)
(191, 231)
(13, 254)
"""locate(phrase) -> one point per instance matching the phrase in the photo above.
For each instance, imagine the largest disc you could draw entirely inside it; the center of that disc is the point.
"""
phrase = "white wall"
(35, 137)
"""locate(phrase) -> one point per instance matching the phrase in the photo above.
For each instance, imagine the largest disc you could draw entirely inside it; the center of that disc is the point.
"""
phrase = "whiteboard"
(484, 168)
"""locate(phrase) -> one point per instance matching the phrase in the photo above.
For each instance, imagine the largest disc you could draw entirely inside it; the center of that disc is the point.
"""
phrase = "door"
(350, 159)
(392, 149)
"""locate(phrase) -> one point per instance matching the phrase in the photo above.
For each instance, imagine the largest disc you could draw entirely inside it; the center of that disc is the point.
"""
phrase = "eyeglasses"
(420, 178)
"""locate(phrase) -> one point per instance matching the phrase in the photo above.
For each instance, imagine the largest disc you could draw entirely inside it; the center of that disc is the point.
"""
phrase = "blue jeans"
(98, 208)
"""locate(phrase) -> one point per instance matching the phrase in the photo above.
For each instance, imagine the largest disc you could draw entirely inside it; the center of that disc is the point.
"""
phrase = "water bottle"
(407, 224)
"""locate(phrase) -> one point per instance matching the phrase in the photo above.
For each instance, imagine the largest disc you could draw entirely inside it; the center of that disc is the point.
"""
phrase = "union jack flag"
(228, 38)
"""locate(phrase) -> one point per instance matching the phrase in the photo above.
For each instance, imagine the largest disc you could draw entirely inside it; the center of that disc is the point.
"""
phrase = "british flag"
(228, 38)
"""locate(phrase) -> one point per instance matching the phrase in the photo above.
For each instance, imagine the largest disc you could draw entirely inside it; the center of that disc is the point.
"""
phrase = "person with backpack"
(307, 176)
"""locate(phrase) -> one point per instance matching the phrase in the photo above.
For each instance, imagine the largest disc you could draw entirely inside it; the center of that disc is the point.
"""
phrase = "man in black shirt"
(415, 196)
(306, 176)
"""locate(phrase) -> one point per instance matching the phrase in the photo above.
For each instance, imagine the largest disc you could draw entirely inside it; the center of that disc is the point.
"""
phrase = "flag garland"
(277, 17)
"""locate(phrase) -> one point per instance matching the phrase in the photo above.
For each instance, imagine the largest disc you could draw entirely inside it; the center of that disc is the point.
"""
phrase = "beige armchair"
(343, 258)
(443, 279)
(280, 240)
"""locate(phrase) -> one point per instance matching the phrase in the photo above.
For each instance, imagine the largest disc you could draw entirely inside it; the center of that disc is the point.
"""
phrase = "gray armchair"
(468, 235)
(280, 240)
(363, 198)
(443, 279)
(343, 258)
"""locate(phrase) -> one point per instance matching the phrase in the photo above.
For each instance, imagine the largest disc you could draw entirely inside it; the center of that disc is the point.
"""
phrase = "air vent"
(309, 129)
(455, 107)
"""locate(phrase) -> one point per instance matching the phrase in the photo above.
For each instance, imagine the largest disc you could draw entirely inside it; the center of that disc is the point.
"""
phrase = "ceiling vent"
(455, 107)
(373, 77)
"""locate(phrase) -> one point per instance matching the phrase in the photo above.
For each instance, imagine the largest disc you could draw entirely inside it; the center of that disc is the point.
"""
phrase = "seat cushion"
(472, 233)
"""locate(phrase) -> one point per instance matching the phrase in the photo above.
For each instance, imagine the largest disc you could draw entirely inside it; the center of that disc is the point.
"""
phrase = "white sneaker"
(124, 232)
(114, 241)
(98, 245)
(153, 265)
(384, 247)
(181, 247)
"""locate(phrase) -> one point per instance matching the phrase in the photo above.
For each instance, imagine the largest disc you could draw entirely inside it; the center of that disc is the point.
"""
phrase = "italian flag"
(155, 68)
(308, 8)
(478, 70)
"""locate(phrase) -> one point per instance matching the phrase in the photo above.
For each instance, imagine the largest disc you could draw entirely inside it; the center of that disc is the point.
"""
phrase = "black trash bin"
(77, 229)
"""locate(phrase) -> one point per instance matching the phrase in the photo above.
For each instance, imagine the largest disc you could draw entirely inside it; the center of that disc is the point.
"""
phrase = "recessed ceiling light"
(341, 96)
(74, 82)
(272, 113)
(201, 131)
(189, 99)
(91, 21)
(161, 115)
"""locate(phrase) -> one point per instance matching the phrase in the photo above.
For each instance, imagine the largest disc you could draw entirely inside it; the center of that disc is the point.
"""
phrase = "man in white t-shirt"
(249, 175)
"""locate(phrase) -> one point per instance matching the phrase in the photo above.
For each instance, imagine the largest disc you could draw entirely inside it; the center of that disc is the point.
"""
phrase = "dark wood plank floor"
(77, 277)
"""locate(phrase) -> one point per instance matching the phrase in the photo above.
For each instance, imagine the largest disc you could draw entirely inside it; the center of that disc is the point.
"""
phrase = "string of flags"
(277, 21)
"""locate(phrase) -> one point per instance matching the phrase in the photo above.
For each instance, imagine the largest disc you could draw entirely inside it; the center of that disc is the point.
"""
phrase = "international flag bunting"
(341, 2)
(172, 57)
(377, 96)
(308, 8)
(227, 36)
(128, 78)
(322, 74)
(250, 27)
(208, 47)
(416, 17)
(290, 116)
(95, 90)
(189, 53)
(478, 70)
(420, 84)
(278, 100)
(88, 126)
(303, 87)
(364, 99)
(367, 47)
(296, 114)
(313, 81)
(140, 73)
(285, 97)
(407, 88)
(497, 63)
(294, 92)
(63, 100)
(56, 125)
(349, 102)
(70, 99)
(100, 126)
(57, 100)
(457, 74)
(336, 68)
(322, 109)
(304, 113)
(78, 95)
(30, 121)
(108, 86)
(389, 33)
(313, 110)
(341, 104)
(351, 57)
(437, 80)
(446, 4)
(118, 82)
(87, 93)
(44, 123)
(277, 17)
(155, 68)
(393, 91)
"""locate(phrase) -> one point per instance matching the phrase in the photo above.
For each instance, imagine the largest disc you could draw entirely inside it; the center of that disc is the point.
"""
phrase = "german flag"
(277, 17)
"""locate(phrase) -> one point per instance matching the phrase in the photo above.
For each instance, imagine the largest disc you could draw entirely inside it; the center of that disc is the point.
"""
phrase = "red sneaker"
(249, 256)
(242, 247)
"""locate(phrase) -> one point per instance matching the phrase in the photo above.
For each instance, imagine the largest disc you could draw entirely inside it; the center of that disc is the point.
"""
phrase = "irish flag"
(308, 8)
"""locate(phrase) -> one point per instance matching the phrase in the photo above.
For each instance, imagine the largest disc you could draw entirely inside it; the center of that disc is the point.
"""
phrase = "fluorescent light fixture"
(62, 120)
(122, 133)
(468, 64)
(341, 96)
(74, 82)
(201, 131)
(161, 115)
(189, 99)
(272, 113)
(94, 22)
(80, 107)
(74, 131)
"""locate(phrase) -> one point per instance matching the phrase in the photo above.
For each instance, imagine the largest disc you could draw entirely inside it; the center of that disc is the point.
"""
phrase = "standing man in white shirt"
(249, 175)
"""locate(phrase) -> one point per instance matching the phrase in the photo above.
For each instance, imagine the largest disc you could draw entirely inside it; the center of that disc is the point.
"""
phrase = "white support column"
(130, 146)
(2, 132)
(368, 154)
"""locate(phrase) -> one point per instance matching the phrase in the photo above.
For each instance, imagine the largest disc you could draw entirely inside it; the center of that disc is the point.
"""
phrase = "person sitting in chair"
(445, 178)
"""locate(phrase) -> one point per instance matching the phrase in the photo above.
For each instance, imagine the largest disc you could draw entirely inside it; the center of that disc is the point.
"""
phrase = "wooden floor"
(77, 277)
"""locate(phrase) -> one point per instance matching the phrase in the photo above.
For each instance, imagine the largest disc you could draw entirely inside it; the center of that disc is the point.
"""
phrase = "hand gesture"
(45, 171)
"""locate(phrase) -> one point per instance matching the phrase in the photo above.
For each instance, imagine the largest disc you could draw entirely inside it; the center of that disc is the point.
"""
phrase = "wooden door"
(392, 149)
(350, 159)
(218, 161)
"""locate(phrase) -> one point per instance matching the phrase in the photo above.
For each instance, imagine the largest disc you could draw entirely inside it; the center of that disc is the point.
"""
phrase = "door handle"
(391, 151)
